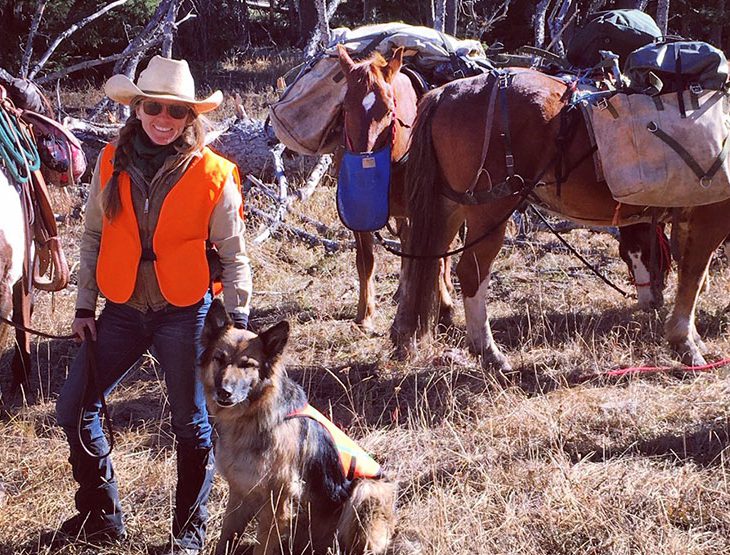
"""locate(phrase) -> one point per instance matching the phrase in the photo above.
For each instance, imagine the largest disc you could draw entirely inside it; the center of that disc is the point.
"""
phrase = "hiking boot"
(92, 528)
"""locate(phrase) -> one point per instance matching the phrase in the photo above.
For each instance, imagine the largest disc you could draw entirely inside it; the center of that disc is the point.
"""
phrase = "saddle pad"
(363, 188)
(653, 156)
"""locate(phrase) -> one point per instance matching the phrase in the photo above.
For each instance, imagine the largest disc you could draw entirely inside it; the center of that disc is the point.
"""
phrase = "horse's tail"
(418, 305)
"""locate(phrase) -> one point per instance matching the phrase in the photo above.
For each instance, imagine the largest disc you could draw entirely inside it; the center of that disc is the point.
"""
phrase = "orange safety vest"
(179, 237)
(356, 463)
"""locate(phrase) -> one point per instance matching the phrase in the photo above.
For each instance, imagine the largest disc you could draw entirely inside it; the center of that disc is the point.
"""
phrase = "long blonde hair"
(191, 140)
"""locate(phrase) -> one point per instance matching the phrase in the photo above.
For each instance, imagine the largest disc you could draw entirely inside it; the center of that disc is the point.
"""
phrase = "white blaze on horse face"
(477, 320)
(642, 279)
(368, 101)
(12, 226)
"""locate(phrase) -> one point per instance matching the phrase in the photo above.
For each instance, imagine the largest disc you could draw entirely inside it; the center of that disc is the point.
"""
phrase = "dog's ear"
(275, 339)
(216, 323)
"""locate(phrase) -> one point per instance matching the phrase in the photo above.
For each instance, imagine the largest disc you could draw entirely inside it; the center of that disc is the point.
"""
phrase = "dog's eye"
(220, 358)
(247, 362)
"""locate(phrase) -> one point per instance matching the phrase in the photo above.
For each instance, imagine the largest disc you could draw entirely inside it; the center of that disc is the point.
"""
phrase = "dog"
(281, 463)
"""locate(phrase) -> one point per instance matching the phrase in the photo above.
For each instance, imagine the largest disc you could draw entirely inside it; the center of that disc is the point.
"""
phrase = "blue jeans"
(123, 336)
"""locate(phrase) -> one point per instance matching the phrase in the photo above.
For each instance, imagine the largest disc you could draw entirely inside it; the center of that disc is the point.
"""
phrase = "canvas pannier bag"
(619, 31)
(675, 66)
(306, 118)
(653, 156)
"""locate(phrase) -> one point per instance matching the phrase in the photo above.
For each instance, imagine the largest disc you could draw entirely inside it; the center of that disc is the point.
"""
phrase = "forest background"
(213, 31)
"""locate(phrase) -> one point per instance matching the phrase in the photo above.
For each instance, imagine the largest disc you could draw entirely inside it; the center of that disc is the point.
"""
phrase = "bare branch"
(557, 25)
(68, 32)
(37, 16)
(78, 67)
(315, 176)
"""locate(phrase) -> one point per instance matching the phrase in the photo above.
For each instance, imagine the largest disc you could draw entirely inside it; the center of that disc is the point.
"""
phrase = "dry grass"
(541, 462)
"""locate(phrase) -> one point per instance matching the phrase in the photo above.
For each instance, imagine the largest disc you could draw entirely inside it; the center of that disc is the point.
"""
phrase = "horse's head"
(370, 101)
(648, 273)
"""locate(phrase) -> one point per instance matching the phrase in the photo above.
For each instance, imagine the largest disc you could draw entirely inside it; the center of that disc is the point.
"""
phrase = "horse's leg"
(22, 308)
(446, 286)
(365, 265)
(473, 270)
(445, 283)
(703, 232)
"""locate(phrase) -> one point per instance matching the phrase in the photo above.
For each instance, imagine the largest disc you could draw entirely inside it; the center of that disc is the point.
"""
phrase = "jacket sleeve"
(226, 232)
(88, 290)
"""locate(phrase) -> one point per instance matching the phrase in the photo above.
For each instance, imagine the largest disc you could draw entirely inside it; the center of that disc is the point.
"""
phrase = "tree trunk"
(323, 22)
(439, 15)
(168, 29)
(662, 15)
(368, 11)
(720, 19)
(452, 16)
(538, 22)
(307, 21)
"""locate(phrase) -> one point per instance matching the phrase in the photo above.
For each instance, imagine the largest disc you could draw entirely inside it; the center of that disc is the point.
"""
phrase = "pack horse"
(379, 110)
(455, 166)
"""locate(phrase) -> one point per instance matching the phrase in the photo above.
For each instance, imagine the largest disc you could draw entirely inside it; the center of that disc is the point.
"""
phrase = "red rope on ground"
(655, 369)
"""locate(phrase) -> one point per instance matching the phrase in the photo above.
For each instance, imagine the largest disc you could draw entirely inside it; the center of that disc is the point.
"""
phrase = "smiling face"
(162, 128)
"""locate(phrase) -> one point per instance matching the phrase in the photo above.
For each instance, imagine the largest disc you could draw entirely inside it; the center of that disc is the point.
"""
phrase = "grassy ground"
(557, 459)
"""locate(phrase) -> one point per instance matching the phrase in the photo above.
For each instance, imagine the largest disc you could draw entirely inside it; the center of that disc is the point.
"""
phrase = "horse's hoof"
(689, 353)
(496, 361)
(366, 325)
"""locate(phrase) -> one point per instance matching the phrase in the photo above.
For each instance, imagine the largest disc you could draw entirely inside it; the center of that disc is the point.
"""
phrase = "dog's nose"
(223, 394)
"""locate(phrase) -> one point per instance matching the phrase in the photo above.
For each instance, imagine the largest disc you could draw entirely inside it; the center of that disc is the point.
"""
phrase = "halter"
(662, 263)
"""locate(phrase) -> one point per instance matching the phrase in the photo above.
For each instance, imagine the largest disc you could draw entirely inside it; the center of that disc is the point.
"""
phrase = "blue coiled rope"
(17, 149)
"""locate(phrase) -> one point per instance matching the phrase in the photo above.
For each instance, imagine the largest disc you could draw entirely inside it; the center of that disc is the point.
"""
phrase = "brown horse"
(380, 106)
(448, 156)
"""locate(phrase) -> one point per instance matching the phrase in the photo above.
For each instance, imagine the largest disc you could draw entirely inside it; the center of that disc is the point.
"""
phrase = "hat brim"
(121, 89)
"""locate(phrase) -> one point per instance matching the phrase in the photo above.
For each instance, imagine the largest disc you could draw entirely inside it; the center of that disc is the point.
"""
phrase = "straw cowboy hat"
(163, 79)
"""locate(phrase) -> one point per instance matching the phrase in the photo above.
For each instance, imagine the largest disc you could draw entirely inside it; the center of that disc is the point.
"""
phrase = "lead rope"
(91, 375)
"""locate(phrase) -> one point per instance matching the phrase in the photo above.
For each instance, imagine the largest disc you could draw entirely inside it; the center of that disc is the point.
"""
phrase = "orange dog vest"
(356, 463)
(179, 238)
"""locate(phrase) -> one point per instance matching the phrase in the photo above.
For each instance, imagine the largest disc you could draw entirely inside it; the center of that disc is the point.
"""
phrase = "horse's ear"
(394, 64)
(346, 62)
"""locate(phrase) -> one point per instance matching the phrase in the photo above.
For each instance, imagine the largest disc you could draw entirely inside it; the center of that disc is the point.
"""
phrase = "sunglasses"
(175, 111)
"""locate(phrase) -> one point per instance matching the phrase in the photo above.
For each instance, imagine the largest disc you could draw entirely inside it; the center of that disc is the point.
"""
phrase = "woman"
(157, 197)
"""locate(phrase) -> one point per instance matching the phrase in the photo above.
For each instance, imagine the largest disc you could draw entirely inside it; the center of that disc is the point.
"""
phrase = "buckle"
(503, 80)
(509, 160)
(602, 103)
(696, 88)
(705, 181)
(469, 198)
